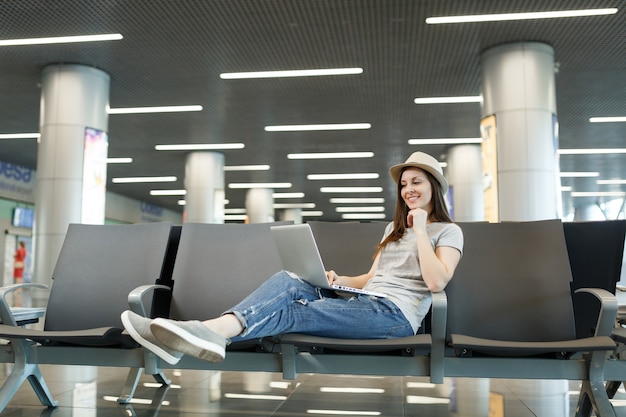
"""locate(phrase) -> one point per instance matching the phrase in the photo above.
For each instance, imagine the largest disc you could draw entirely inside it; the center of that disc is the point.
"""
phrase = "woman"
(18, 262)
(417, 256)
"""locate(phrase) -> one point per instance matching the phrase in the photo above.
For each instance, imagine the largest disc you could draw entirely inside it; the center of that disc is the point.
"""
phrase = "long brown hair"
(439, 212)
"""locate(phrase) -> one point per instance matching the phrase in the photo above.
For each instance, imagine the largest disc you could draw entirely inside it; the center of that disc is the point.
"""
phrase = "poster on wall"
(94, 176)
(489, 150)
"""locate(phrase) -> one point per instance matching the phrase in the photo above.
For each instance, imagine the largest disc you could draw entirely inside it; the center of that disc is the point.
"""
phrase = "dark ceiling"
(173, 52)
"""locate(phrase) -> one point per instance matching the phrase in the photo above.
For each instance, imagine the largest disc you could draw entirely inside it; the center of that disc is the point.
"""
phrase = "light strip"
(247, 168)
(287, 195)
(607, 119)
(352, 390)
(611, 182)
(359, 176)
(235, 211)
(156, 109)
(519, 16)
(444, 141)
(119, 160)
(260, 185)
(590, 151)
(448, 100)
(599, 194)
(236, 217)
(566, 189)
(312, 213)
(199, 146)
(330, 155)
(357, 200)
(128, 180)
(146, 401)
(293, 205)
(420, 399)
(168, 192)
(362, 216)
(19, 135)
(578, 174)
(359, 209)
(293, 73)
(301, 128)
(351, 189)
(61, 39)
(255, 396)
(343, 412)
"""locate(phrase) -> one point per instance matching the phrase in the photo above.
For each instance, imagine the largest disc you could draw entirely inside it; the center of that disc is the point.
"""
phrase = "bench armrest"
(135, 297)
(6, 316)
(608, 310)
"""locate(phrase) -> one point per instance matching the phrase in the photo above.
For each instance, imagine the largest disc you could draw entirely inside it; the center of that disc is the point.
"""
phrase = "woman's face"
(415, 189)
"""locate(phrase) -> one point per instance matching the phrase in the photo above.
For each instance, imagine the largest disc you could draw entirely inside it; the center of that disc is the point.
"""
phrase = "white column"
(292, 214)
(260, 205)
(73, 97)
(204, 183)
(464, 173)
(518, 87)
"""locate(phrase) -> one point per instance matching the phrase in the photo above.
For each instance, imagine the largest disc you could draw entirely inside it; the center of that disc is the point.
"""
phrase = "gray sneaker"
(138, 327)
(190, 337)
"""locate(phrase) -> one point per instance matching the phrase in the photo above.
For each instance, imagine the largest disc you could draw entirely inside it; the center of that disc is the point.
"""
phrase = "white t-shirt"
(399, 274)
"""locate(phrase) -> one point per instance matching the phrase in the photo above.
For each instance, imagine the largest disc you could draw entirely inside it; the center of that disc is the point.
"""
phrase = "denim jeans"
(287, 304)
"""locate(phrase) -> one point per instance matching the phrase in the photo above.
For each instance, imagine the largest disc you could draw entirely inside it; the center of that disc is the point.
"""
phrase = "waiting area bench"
(508, 312)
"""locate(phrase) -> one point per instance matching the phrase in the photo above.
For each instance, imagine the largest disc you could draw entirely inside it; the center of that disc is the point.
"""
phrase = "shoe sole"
(172, 360)
(171, 336)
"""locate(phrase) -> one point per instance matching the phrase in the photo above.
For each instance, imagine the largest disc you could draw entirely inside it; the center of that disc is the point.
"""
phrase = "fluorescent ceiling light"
(421, 399)
(157, 109)
(444, 141)
(352, 390)
(344, 412)
(129, 180)
(359, 209)
(181, 202)
(61, 39)
(519, 16)
(578, 174)
(312, 213)
(293, 205)
(599, 194)
(611, 182)
(235, 211)
(247, 168)
(359, 176)
(362, 216)
(261, 185)
(287, 195)
(607, 119)
(199, 146)
(357, 200)
(566, 188)
(255, 396)
(590, 151)
(236, 217)
(447, 100)
(293, 73)
(300, 128)
(19, 135)
(330, 155)
(351, 189)
(119, 160)
(168, 192)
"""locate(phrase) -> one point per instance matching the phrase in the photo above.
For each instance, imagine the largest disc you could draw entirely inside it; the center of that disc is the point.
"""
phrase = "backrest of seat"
(596, 251)
(513, 283)
(97, 267)
(347, 247)
(217, 265)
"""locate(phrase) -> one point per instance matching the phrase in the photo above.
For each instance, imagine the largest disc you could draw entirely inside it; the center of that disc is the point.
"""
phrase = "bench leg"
(612, 387)
(593, 394)
(128, 391)
(24, 370)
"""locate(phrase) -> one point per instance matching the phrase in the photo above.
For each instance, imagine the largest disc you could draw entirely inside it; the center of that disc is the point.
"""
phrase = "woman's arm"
(357, 281)
(437, 265)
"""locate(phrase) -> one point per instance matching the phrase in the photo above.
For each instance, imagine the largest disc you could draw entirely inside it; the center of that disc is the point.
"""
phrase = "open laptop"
(299, 254)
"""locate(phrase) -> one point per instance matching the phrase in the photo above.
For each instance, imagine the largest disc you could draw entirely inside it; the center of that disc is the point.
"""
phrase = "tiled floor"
(91, 392)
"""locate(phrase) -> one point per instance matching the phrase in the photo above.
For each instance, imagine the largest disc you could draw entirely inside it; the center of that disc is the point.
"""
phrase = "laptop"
(299, 254)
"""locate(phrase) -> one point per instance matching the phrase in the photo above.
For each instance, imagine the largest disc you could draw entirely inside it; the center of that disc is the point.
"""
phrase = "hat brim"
(396, 170)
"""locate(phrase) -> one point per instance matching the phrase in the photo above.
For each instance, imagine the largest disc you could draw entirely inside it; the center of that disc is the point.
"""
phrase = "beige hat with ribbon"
(423, 161)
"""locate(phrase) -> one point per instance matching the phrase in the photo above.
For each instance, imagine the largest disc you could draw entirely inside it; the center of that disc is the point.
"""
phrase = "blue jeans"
(287, 304)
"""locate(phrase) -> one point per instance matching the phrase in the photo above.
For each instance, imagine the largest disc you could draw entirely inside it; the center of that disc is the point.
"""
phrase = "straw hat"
(423, 161)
